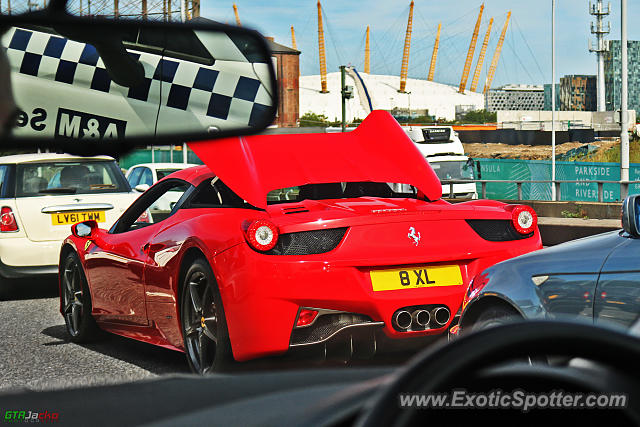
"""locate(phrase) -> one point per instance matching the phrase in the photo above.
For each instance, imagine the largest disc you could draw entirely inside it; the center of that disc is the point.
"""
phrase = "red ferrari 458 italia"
(284, 242)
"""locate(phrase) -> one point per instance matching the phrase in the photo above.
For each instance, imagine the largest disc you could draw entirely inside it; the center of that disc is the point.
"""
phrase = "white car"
(144, 175)
(444, 151)
(42, 195)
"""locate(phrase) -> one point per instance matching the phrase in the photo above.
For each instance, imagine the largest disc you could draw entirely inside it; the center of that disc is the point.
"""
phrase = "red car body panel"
(377, 151)
(134, 277)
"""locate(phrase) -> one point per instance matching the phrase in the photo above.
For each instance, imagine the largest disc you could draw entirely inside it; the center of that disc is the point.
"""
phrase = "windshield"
(456, 169)
(36, 179)
(340, 190)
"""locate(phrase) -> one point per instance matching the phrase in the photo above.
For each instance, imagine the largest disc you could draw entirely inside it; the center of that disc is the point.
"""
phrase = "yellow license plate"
(65, 218)
(416, 277)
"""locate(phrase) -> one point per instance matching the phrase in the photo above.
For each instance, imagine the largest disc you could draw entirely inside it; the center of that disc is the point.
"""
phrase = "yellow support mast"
(434, 55)
(195, 8)
(367, 54)
(293, 39)
(405, 54)
(235, 12)
(323, 59)
(483, 51)
(496, 55)
(472, 48)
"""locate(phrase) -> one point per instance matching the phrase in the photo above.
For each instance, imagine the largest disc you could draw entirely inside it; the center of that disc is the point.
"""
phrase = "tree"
(314, 120)
(479, 116)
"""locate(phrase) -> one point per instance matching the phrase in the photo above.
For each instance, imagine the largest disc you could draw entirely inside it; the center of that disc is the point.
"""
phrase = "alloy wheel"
(73, 302)
(200, 322)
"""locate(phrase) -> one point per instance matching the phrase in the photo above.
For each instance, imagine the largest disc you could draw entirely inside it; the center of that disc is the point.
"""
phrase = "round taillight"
(262, 235)
(7, 220)
(524, 219)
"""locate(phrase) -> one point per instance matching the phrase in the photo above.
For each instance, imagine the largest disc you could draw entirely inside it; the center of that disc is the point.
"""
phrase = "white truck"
(443, 150)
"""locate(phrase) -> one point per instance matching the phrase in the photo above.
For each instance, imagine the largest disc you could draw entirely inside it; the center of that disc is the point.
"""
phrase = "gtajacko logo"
(20, 416)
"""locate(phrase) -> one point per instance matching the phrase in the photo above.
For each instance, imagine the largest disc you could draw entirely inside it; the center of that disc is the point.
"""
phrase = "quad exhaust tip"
(440, 315)
(421, 318)
(402, 319)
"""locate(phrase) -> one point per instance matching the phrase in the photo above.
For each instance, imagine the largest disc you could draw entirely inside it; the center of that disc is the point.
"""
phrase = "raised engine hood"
(377, 151)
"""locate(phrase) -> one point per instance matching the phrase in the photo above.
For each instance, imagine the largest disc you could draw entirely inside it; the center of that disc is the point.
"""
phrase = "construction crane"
(153, 10)
(293, 39)
(496, 55)
(472, 48)
(367, 54)
(483, 51)
(195, 8)
(405, 54)
(434, 55)
(323, 59)
(235, 12)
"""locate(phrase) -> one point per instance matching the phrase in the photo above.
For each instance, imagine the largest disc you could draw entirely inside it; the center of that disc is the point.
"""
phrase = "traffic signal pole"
(344, 100)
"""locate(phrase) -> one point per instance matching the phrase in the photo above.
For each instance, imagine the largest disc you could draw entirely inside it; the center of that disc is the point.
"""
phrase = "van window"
(457, 169)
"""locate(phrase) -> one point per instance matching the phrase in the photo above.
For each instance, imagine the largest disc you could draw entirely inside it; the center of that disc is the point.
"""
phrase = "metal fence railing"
(624, 185)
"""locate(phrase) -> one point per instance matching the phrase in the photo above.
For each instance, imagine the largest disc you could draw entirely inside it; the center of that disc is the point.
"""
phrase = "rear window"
(37, 179)
(5, 182)
(164, 172)
(341, 190)
(215, 194)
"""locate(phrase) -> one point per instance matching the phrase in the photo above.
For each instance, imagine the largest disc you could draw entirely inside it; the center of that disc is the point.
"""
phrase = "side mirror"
(141, 187)
(630, 212)
(93, 85)
(84, 229)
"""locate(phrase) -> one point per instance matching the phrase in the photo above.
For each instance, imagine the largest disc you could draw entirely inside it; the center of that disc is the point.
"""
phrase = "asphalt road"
(35, 353)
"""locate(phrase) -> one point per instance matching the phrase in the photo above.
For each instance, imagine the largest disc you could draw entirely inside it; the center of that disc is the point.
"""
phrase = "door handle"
(145, 248)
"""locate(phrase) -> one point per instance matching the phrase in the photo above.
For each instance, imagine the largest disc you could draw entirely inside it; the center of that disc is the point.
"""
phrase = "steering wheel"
(477, 362)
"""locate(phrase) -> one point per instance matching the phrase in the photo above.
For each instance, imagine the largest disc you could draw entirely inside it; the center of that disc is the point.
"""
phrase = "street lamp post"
(553, 100)
(346, 92)
(624, 115)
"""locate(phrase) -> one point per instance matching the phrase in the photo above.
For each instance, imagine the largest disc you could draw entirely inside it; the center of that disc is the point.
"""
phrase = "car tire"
(76, 301)
(497, 316)
(493, 316)
(204, 326)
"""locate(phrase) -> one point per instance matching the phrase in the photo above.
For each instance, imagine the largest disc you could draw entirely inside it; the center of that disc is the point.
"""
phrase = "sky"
(526, 54)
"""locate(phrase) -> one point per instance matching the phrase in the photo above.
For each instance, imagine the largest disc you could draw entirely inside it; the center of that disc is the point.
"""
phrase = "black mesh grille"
(308, 242)
(325, 326)
(496, 230)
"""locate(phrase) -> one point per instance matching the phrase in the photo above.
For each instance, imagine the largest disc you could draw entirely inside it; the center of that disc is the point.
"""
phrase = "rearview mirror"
(84, 229)
(98, 85)
(141, 188)
(630, 212)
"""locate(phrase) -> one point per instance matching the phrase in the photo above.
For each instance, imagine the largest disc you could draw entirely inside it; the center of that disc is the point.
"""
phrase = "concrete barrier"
(559, 230)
